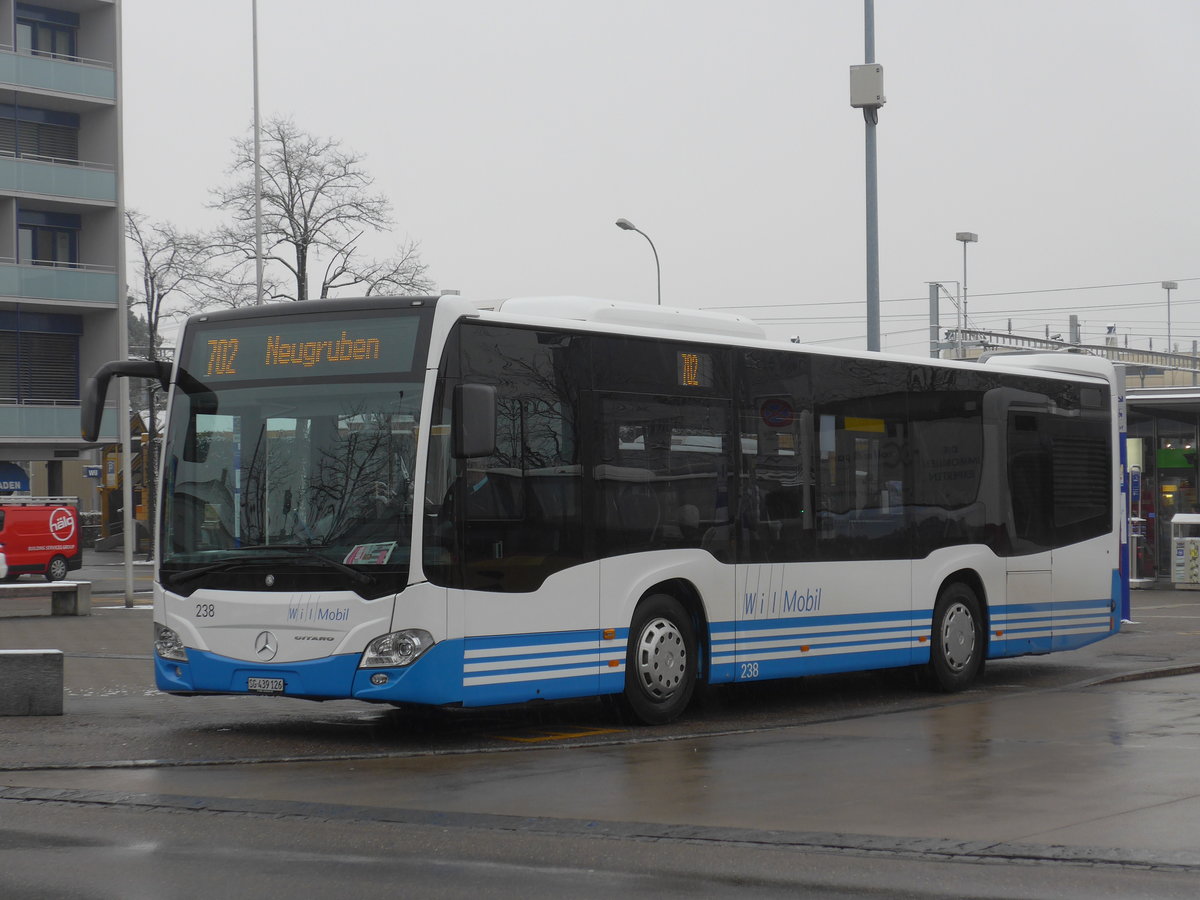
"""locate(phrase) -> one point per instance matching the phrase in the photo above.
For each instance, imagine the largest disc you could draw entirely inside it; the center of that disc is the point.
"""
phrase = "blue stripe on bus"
(748, 651)
(1008, 609)
(492, 642)
(746, 640)
(475, 659)
(833, 663)
(549, 665)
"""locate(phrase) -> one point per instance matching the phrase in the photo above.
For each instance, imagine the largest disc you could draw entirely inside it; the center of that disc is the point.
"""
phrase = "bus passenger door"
(530, 604)
(516, 516)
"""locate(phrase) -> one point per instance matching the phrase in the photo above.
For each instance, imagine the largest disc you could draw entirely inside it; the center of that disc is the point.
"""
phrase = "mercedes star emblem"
(266, 646)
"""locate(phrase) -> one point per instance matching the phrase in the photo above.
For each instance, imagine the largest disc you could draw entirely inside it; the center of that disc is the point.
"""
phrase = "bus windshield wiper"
(223, 566)
(278, 552)
(309, 552)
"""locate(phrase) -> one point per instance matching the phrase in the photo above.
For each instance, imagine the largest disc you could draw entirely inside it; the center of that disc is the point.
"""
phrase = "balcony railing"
(50, 280)
(54, 177)
(94, 78)
(37, 401)
(58, 161)
(101, 63)
(26, 423)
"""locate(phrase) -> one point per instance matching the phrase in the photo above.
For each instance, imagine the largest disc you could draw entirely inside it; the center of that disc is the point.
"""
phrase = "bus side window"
(507, 519)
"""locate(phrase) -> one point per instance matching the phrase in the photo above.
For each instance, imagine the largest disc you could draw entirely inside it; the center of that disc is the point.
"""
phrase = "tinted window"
(662, 474)
(1030, 482)
(948, 455)
(777, 514)
(861, 421)
(509, 520)
(1060, 468)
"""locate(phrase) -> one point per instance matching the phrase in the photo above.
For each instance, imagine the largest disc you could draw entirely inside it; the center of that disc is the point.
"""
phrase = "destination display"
(307, 348)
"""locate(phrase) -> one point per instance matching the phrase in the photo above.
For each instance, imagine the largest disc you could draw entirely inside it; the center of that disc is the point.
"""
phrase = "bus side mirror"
(91, 407)
(474, 413)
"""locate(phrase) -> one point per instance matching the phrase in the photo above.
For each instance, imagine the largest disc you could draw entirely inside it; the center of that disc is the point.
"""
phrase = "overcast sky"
(509, 135)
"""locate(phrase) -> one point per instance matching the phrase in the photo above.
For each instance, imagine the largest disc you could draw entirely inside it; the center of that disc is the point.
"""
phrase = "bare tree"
(317, 202)
(174, 268)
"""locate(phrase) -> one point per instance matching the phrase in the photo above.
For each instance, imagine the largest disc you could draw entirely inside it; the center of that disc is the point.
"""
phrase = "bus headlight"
(400, 648)
(167, 643)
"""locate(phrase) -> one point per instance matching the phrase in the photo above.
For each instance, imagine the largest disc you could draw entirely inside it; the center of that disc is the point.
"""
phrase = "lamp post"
(1169, 286)
(258, 252)
(967, 237)
(626, 225)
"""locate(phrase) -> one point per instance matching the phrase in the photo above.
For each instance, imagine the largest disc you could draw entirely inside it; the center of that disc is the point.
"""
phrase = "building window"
(46, 32)
(47, 239)
(39, 132)
(39, 357)
(48, 246)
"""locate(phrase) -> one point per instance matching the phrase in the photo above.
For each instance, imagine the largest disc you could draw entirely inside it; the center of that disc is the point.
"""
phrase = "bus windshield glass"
(293, 441)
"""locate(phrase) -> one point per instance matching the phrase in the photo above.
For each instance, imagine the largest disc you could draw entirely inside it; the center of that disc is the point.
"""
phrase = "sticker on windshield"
(370, 554)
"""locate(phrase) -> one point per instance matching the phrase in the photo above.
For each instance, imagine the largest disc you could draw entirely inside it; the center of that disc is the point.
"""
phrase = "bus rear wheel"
(661, 662)
(957, 642)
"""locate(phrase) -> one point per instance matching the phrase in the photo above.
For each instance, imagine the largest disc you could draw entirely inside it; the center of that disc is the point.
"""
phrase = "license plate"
(265, 685)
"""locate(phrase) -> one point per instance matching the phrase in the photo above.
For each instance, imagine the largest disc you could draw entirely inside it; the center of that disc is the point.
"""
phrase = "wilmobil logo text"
(781, 603)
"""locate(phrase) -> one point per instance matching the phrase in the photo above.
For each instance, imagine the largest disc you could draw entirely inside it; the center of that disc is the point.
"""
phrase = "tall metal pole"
(128, 525)
(258, 254)
(967, 237)
(1169, 286)
(964, 297)
(871, 116)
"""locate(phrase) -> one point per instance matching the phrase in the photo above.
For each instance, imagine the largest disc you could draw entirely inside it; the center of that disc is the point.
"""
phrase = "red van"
(39, 536)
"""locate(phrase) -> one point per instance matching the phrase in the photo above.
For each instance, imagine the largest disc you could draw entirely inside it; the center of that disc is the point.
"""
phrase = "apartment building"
(61, 232)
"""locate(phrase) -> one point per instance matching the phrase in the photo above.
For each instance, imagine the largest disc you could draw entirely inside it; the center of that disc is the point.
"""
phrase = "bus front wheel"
(661, 663)
(957, 641)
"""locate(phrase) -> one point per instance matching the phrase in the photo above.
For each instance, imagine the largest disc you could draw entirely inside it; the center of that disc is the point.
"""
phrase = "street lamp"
(626, 225)
(967, 237)
(1169, 286)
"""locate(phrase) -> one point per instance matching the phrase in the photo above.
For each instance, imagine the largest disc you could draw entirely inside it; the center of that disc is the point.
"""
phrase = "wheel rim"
(58, 569)
(958, 637)
(662, 659)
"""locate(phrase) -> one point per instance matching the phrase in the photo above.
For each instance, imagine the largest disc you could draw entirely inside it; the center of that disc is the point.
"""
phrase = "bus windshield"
(274, 467)
(311, 465)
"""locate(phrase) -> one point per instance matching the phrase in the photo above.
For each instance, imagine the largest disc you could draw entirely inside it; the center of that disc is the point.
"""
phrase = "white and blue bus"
(436, 501)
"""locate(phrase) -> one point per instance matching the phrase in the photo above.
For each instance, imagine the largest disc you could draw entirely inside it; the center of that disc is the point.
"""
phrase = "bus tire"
(957, 640)
(57, 570)
(661, 662)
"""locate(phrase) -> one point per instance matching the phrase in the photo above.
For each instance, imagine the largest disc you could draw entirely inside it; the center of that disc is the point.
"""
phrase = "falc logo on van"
(62, 524)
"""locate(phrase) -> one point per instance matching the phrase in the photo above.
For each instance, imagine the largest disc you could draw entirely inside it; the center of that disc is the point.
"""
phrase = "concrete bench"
(32, 683)
(67, 598)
